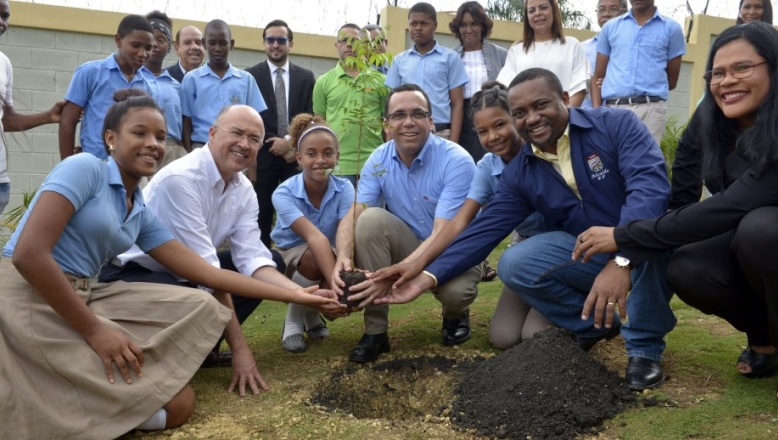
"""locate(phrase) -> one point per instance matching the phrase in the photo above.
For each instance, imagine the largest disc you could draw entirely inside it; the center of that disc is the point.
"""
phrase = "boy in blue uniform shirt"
(208, 89)
(94, 83)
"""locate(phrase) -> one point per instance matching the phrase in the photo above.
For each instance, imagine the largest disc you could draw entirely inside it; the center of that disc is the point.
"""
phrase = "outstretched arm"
(13, 121)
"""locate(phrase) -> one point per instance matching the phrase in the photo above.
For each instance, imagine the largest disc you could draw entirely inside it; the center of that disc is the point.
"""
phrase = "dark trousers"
(267, 182)
(468, 138)
(135, 273)
(734, 276)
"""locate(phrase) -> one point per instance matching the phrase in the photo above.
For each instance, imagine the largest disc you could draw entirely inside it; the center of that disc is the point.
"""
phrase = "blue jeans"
(5, 194)
(540, 270)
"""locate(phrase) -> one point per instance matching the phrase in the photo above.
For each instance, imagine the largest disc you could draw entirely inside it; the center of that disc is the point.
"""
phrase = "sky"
(324, 17)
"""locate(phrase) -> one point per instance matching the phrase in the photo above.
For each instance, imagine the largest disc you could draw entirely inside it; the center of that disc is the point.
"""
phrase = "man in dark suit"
(276, 159)
(189, 47)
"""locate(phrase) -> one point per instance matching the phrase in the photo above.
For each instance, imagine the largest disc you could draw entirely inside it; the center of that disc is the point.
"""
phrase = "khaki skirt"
(53, 385)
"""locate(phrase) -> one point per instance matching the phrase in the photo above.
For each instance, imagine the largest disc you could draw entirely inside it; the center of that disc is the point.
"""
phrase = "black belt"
(632, 100)
(441, 127)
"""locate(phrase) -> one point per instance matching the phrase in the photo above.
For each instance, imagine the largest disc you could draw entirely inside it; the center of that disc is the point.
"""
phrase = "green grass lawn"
(704, 398)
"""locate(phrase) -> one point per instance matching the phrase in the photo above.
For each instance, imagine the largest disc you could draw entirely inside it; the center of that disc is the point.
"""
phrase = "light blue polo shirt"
(291, 202)
(99, 229)
(167, 92)
(437, 72)
(639, 55)
(92, 89)
(590, 50)
(435, 185)
(204, 94)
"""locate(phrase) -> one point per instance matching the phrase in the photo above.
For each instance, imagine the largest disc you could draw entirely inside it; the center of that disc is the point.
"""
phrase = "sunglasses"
(280, 40)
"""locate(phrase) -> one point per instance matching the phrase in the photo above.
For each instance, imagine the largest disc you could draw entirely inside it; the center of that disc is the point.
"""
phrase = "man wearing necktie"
(288, 91)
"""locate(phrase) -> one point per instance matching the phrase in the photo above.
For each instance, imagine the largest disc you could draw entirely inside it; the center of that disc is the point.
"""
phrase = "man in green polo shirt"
(338, 98)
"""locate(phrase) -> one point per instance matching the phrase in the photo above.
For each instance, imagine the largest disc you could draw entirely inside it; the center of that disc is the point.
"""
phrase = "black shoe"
(762, 364)
(456, 330)
(644, 374)
(587, 342)
(216, 359)
(369, 347)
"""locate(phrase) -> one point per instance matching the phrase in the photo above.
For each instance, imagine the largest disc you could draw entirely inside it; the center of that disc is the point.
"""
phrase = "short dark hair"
(159, 15)
(278, 23)
(134, 23)
(218, 24)
(424, 8)
(479, 15)
(374, 27)
(126, 100)
(538, 73)
(349, 26)
(408, 87)
(767, 12)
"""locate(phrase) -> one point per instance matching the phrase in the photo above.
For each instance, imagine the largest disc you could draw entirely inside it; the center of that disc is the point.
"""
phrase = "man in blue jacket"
(580, 168)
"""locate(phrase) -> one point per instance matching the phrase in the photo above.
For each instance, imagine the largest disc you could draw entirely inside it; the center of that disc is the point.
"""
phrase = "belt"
(632, 100)
(441, 127)
(78, 283)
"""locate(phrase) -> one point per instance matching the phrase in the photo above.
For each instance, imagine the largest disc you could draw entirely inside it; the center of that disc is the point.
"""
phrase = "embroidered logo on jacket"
(598, 168)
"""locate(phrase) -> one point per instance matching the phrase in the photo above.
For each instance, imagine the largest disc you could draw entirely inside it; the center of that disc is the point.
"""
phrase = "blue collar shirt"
(166, 91)
(638, 55)
(204, 94)
(92, 89)
(434, 186)
(437, 72)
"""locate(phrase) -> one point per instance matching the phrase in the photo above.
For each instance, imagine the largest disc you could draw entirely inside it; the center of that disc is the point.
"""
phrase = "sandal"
(490, 274)
(762, 364)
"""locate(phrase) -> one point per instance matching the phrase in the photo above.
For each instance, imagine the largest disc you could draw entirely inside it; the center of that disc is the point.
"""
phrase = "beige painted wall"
(46, 44)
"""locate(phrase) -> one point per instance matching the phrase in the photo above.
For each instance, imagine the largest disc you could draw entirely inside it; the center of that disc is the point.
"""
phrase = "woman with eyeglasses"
(544, 45)
(727, 245)
(754, 10)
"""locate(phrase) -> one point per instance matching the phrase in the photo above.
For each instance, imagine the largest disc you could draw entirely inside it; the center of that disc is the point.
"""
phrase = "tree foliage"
(513, 10)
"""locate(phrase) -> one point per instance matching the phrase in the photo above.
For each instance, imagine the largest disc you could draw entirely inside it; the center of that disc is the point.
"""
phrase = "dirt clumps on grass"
(419, 388)
(543, 388)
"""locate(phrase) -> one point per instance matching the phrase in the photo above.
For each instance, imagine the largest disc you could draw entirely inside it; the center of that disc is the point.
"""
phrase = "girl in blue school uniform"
(87, 360)
(513, 320)
(309, 207)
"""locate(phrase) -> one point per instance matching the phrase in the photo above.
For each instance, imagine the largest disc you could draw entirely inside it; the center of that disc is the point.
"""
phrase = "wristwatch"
(622, 262)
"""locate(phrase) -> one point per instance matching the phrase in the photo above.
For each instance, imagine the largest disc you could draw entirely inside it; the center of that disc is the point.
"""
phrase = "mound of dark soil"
(351, 278)
(397, 389)
(544, 388)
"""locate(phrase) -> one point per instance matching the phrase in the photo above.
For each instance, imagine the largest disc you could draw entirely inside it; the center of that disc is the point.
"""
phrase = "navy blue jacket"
(619, 170)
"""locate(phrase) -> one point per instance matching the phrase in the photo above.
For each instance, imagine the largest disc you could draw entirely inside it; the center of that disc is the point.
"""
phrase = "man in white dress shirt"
(206, 202)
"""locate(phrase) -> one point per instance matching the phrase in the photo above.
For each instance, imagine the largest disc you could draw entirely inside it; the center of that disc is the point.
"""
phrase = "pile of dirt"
(397, 389)
(546, 387)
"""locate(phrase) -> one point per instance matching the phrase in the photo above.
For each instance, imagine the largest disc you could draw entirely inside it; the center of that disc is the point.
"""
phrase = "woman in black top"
(727, 245)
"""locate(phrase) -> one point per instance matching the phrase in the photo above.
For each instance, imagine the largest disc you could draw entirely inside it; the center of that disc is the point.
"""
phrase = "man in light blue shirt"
(639, 58)
(423, 180)
(208, 89)
(437, 70)
(606, 9)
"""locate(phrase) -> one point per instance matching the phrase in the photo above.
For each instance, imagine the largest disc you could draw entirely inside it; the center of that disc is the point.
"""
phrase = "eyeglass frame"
(415, 115)
(708, 76)
(282, 41)
(616, 10)
(241, 136)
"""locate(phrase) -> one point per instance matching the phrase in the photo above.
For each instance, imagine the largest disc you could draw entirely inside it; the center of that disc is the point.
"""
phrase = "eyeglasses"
(614, 10)
(280, 40)
(238, 135)
(739, 71)
(416, 115)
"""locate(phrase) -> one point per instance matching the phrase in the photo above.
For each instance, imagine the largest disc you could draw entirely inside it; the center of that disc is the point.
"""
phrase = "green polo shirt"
(332, 94)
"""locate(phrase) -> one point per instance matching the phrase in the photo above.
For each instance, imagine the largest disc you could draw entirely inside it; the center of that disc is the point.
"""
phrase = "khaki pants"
(653, 115)
(383, 239)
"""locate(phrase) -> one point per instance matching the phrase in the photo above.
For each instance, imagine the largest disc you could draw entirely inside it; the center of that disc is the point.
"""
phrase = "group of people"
(607, 234)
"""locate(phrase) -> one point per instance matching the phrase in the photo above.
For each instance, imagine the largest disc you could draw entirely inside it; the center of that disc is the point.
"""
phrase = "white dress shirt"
(190, 198)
